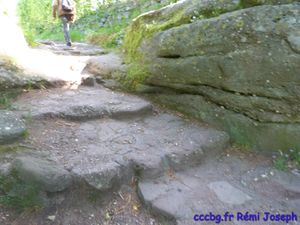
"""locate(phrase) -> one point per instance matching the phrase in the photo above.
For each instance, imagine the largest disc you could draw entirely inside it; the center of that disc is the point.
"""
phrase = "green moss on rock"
(145, 26)
(251, 3)
(18, 194)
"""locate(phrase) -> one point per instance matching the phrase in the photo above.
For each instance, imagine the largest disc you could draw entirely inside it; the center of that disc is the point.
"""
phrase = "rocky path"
(85, 141)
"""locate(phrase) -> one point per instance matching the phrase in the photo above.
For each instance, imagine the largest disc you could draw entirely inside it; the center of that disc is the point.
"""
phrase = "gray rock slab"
(265, 137)
(228, 194)
(108, 152)
(82, 104)
(48, 175)
(215, 186)
(105, 65)
(290, 182)
(12, 127)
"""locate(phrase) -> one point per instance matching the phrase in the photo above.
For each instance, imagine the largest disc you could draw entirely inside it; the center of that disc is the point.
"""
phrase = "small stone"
(243, 183)
(264, 176)
(51, 218)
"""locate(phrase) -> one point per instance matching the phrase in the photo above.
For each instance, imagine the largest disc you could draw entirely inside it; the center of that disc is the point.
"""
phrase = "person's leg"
(65, 22)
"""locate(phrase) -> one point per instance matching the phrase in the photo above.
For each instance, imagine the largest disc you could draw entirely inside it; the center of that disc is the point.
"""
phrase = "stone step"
(107, 153)
(81, 104)
(218, 186)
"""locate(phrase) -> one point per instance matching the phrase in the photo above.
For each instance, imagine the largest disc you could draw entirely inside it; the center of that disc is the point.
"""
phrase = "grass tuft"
(17, 194)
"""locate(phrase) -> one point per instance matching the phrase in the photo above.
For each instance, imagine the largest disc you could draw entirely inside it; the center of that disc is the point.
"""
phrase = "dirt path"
(106, 157)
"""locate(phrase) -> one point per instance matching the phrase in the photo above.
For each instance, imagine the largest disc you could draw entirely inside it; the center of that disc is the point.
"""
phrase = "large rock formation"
(234, 64)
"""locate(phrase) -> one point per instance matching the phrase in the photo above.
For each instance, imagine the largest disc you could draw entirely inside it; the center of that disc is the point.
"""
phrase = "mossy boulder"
(232, 55)
(182, 12)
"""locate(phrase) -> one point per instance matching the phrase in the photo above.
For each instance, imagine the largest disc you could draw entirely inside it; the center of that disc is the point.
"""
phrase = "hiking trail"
(102, 156)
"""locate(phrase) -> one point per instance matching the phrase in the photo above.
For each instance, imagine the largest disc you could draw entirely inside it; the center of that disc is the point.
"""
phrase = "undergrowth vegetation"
(287, 160)
(7, 97)
(17, 194)
(100, 22)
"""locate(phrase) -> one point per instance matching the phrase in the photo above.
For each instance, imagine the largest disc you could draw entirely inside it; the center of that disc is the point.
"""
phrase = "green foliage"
(290, 159)
(76, 35)
(6, 98)
(51, 35)
(136, 74)
(17, 194)
(8, 148)
(25, 133)
(145, 27)
(35, 17)
(37, 22)
(280, 164)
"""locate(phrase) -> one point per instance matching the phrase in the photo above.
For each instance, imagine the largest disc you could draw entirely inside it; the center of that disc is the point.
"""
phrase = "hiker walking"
(66, 11)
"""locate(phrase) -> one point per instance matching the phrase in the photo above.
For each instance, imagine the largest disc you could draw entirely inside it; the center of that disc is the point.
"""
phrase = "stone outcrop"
(12, 127)
(105, 66)
(227, 64)
(47, 175)
(11, 76)
(108, 137)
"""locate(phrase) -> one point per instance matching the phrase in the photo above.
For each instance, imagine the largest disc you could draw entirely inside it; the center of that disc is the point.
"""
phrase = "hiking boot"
(69, 44)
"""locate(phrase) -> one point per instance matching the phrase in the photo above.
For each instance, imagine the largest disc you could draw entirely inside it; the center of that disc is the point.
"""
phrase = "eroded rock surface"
(46, 175)
(81, 104)
(12, 127)
(229, 184)
(104, 66)
(106, 152)
(235, 60)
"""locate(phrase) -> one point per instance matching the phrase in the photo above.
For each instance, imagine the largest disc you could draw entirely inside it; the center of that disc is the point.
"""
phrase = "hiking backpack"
(67, 5)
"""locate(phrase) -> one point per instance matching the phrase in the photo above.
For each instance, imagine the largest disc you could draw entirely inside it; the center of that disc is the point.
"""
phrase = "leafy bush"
(35, 17)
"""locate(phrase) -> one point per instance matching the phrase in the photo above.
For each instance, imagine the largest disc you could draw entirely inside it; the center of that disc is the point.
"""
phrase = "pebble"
(51, 218)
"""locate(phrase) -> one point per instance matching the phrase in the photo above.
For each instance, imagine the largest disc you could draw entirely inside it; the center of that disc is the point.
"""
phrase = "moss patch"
(251, 3)
(7, 97)
(136, 74)
(17, 194)
(145, 26)
(287, 160)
